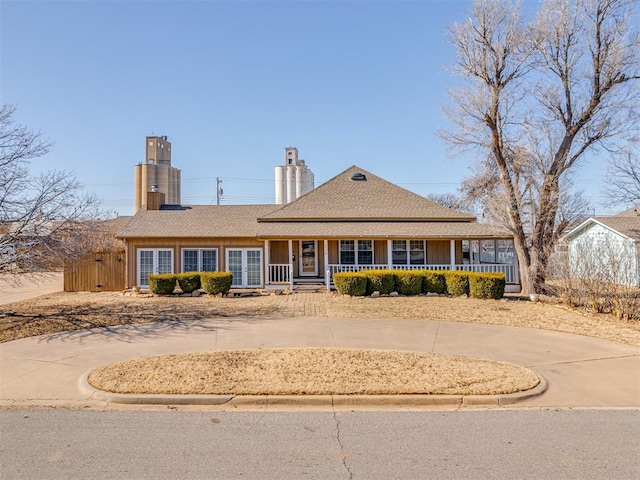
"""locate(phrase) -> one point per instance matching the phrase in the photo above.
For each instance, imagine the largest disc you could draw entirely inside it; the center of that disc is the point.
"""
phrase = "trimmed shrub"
(487, 285)
(457, 283)
(189, 281)
(351, 283)
(434, 282)
(216, 282)
(162, 284)
(409, 282)
(383, 281)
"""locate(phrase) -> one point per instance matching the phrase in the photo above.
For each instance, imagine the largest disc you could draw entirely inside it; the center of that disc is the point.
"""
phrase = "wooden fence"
(97, 272)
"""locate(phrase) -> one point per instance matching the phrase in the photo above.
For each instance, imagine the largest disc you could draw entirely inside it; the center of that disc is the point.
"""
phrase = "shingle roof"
(196, 221)
(340, 208)
(379, 230)
(373, 199)
(627, 225)
(632, 212)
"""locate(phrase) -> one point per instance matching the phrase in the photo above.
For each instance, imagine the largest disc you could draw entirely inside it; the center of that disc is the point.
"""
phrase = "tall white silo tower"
(293, 179)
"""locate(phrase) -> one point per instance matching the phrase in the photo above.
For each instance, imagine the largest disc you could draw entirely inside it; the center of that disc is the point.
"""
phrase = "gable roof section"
(196, 221)
(625, 225)
(373, 199)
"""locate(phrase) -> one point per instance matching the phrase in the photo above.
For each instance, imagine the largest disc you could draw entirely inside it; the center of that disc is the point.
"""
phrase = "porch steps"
(309, 286)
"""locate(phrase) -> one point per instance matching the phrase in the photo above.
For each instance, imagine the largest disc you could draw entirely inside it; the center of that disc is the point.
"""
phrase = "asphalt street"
(489, 444)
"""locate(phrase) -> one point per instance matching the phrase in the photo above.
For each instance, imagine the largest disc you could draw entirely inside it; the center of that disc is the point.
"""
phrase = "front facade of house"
(607, 249)
(354, 221)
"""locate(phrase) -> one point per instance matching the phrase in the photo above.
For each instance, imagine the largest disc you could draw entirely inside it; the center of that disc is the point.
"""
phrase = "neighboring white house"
(607, 248)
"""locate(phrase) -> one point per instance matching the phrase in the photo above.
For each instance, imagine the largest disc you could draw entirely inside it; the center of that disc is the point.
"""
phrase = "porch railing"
(279, 273)
(510, 272)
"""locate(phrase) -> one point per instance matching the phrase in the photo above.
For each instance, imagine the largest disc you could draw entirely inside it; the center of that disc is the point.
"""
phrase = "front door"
(308, 265)
(246, 266)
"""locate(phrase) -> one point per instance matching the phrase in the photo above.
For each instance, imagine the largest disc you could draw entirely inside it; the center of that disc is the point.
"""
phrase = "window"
(416, 252)
(466, 251)
(347, 252)
(408, 252)
(399, 252)
(365, 252)
(488, 251)
(362, 256)
(199, 259)
(505, 251)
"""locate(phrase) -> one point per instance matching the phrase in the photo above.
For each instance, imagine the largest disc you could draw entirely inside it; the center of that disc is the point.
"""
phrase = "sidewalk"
(580, 371)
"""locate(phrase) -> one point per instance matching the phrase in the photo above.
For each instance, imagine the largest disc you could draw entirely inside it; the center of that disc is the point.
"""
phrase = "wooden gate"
(97, 272)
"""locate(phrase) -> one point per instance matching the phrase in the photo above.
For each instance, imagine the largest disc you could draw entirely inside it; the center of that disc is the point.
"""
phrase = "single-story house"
(607, 248)
(352, 222)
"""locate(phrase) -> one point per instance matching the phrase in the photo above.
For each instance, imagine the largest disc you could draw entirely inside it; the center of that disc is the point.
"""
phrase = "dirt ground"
(72, 311)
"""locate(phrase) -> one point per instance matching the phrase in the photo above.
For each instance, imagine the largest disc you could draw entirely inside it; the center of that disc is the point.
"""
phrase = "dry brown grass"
(305, 371)
(313, 371)
(72, 311)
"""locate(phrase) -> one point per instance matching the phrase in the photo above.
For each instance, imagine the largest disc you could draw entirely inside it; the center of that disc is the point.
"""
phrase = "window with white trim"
(363, 255)
(153, 260)
(408, 252)
(399, 252)
(199, 259)
(417, 252)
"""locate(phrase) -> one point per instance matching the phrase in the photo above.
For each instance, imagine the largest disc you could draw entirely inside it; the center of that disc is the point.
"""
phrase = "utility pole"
(219, 191)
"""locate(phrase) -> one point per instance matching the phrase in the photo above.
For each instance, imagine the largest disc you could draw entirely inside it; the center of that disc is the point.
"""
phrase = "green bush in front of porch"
(216, 282)
(457, 283)
(409, 282)
(189, 281)
(487, 285)
(162, 284)
(433, 281)
(351, 283)
(383, 281)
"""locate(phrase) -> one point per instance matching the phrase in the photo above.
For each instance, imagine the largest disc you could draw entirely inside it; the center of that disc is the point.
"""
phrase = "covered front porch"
(293, 263)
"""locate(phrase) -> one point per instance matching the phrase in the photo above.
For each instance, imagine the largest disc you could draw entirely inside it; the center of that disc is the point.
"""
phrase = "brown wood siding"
(279, 251)
(97, 272)
(334, 256)
(438, 252)
(379, 251)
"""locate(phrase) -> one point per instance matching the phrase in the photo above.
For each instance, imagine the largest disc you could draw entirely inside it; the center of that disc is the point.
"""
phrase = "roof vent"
(358, 177)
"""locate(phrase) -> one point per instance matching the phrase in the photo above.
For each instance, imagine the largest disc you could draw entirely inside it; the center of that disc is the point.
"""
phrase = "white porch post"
(452, 254)
(327, 273)
(291, 265)
(389, 254)
(266, 261)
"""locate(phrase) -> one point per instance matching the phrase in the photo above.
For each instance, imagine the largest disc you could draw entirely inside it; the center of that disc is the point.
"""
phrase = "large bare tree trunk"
(542, 95)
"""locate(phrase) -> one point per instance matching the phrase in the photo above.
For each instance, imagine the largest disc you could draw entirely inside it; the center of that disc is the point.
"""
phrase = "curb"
(417, 400)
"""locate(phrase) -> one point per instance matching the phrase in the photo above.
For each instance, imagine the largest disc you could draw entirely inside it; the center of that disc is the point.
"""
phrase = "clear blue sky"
(231, 83)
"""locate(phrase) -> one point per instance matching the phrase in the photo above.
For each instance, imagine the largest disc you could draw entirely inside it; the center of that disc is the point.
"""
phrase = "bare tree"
(43, 218)
(623, 178)
(452, 200)
(538, 96)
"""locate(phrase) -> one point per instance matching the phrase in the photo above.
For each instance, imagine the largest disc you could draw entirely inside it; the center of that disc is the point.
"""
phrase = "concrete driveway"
(580, 371)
